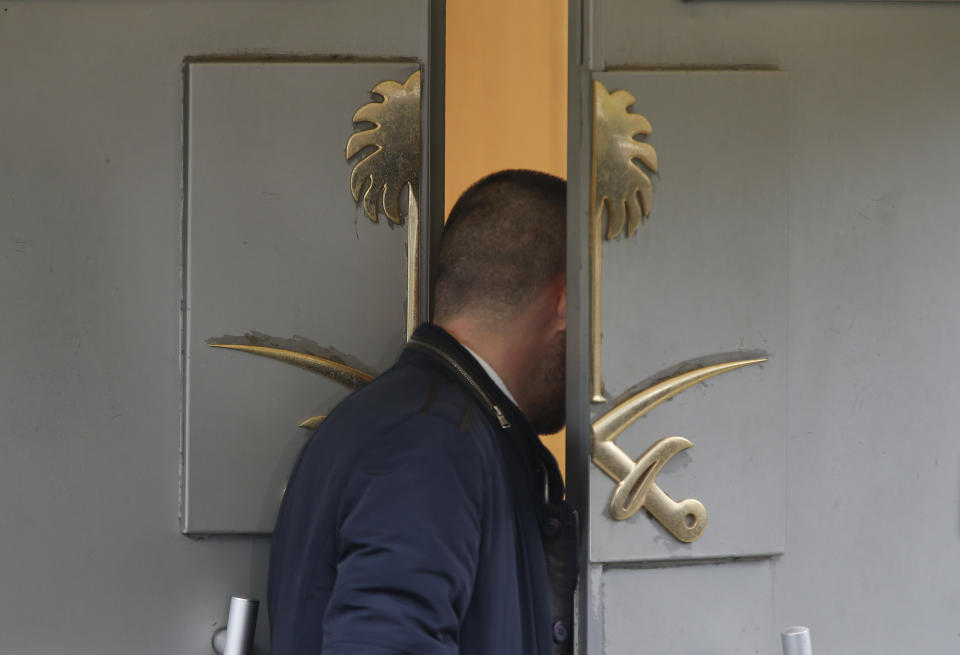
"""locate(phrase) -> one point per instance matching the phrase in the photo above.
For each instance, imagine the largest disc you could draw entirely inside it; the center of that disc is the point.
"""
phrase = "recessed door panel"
(679, 619)
(276, 249)
(703, 280)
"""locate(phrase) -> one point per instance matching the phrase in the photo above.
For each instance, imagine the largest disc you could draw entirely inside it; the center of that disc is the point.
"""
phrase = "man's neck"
(499, 351)
(492, 374)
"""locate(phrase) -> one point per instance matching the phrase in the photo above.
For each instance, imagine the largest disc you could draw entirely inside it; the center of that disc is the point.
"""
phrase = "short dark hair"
(503, 243)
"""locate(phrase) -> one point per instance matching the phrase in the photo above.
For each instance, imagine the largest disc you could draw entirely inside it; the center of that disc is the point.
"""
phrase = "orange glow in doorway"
(506, 102)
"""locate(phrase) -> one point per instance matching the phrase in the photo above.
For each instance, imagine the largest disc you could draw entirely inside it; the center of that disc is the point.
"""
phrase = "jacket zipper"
(450, 361)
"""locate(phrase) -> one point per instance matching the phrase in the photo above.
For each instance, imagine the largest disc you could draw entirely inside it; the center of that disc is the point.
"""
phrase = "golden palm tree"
(390, 163)
(620, 188)
(394, 163)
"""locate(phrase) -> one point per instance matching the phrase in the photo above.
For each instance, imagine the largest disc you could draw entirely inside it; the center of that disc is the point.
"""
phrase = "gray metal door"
(758, 169)
(182, 177)
(679, 230)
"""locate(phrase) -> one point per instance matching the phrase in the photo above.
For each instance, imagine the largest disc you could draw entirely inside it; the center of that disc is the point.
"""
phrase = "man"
(425, 516)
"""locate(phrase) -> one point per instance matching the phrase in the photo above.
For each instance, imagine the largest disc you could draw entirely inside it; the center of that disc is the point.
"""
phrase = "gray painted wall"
(91, 556)
(872, 560)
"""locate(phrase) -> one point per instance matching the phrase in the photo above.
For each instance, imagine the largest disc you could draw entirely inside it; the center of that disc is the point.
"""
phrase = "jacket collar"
(438, 344)
(445, 350)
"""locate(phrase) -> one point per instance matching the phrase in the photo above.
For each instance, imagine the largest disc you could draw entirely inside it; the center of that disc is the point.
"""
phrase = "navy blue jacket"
(413, 520)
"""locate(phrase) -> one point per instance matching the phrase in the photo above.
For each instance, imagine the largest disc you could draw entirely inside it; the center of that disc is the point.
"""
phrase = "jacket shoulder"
(407, 412)
(407, 392)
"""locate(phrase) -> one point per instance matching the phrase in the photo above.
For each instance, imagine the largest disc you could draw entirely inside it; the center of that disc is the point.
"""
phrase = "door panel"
(872, 447)
(276, 245)
(703, 280)
(679, 619)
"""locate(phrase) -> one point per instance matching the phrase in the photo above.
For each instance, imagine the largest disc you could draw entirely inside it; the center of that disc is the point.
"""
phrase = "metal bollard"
(237, 637)
(796, 641)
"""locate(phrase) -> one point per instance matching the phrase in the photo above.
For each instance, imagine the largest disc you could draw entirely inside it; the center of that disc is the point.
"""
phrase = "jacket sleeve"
(409, 538)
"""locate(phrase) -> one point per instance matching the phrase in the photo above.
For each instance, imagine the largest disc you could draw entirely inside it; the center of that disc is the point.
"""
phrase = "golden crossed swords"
(636, 488)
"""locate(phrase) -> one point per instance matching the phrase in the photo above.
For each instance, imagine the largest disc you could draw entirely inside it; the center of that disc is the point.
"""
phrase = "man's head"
(500, 286)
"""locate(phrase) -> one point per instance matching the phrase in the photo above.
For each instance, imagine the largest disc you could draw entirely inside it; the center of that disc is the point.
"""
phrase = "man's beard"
(548, 407)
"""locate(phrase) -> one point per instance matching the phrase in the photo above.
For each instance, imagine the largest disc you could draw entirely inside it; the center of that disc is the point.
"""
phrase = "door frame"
(581, 57)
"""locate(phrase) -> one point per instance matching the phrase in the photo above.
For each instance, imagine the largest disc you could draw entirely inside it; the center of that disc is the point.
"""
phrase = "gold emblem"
(395, 139)
(687, 519)
(298, 353)
(381, 175)
(621, 189)
(394, 163)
